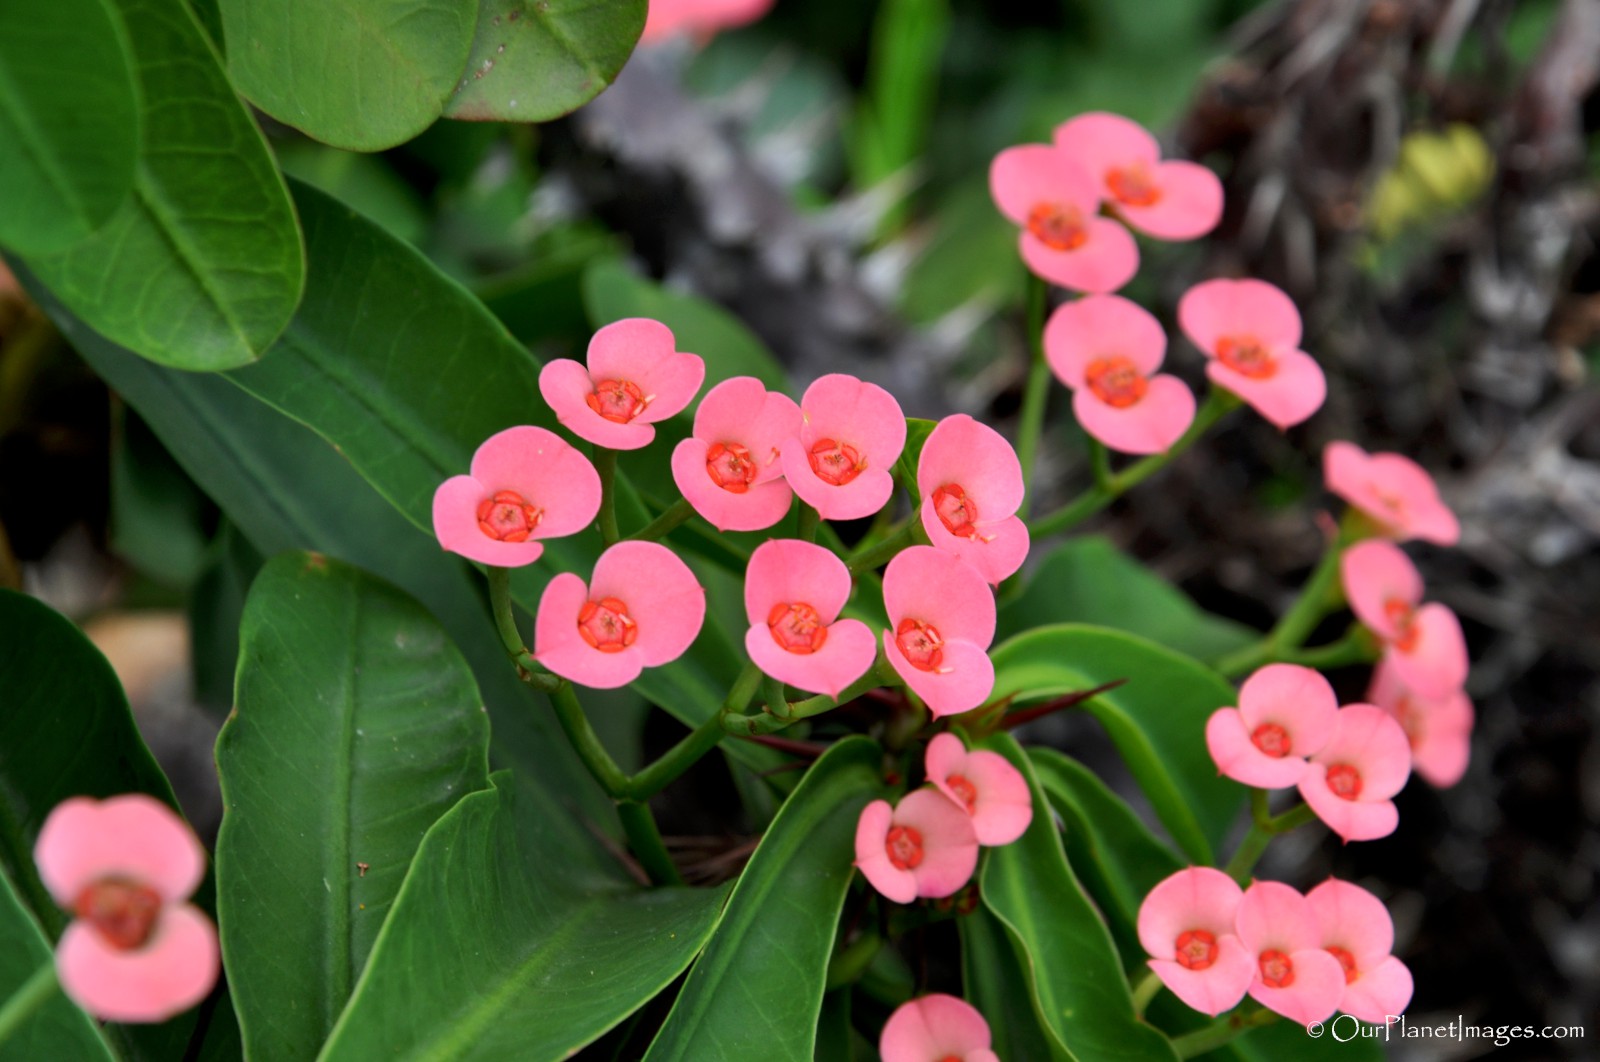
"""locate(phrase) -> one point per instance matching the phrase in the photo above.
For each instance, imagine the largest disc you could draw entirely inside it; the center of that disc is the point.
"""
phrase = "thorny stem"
(1037, 389)
(605, 463)
(675, 514)
(1143, 992)
(34, 993)
(1214, 1036)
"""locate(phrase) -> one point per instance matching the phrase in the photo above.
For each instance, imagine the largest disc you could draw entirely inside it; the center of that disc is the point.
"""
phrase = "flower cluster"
(936, 1028)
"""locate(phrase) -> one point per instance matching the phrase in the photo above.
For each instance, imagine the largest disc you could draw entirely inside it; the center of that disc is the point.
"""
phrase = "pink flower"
(1393, 490)
(1186, 924)
(1357, 930)
(1293, 975)
(923, 847)
(983, 784)
(1107, 350)
(1439, 730)
(1064, 239)
(842, 461)
(1251, 332)
(729, 469)
(702, 18)
(1351, 779)
(1424, 643)
(643, 608)
(936, 1028)
(1167, 200)
(124, 866)
(941, 620)
(526, 484)
(793, 592)
(635, 377)
(1286, 712)
(971, 485)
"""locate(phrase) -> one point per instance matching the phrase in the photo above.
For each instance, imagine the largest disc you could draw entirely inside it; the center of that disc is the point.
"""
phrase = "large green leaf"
(356, 725)
(757, 990)
(1089, 580)
(498, 947)
(1076, 976)
(1156, 718)
(69, 122)
(533, 60)
(202, 267)
(359, 74)
(996, 982)
(58, 1030)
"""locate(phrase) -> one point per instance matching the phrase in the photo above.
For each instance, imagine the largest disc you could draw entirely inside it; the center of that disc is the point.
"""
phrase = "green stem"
(1145, 991)
(848, 964)
(675, 514)
(1100, 462)
(809, 519)
(34, 993)
(1037, 389)
(586, 743)
(1214, 1036)
(701, 740)
(1264, 826)
(775, 719)
(505, 621)
(902, 536)
(1317, 598)
(605, 463)
(644, 840)
(1356, 647)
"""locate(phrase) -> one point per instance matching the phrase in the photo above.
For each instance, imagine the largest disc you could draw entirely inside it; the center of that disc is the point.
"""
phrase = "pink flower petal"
(566, 387)
(741, 410)
(1379, 993)
(1315, 993)
(1369, 739)
(455, 525)
(132, 836)
(862, 496)
(848, 653)
(1106, 260)
(1290, 395)
(1101, 326)
(1194, 898)
(1391, 489)
(1352, 820)
(547, 471)
(1149, 426)
(872, 857)
(789, 571)
(662, 594)
(666, 18)
(558, 645)
(1374, 573)
(996, 554)
(933, 1028)
(1353, 919)
(1440, 730)
(841, 407)
(1003, 804)
(928, 585)
(1273, 916)
(1100, 142)
(1021, 178)
(1296, 698)
(759, 507)
(173, 971)
(1237, 757)
(629, 349)
(949, 845)
(1216, 309)
(1190, 203)
(970, 454)
(1218, 987)
(963, 682)
(1436, 663)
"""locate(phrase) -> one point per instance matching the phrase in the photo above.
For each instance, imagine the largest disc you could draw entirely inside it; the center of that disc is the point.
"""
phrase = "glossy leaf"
(69, 120)
(202, 266)
(1076, 976)
(358, 74)
(1156, 718)
(356, 725)
(498, 947)
(533, 60)
(757, 990)
(996, 982)
(917, 431)
(58, 1030)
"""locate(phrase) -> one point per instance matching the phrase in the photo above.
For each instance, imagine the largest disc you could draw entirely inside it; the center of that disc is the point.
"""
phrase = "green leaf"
(917, 431)
(69, 122)
(366, 182)
(58, 1030)
(1157, 718)
(1076, 976)
(356, 726)
(359, 74)
(1088, 580)
(156, 512)
(498, 947)
(534, 60)
(757, 991)
(202, 267)
(996, 982)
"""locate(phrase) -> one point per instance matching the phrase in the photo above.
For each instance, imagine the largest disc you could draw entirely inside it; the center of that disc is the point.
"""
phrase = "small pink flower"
(1393, 490)
(124, 866)
(1357, 930)
(923, 847)
(1424, 643)
(936, 1028)
(1107, 350)
(793, 592)
(526, 484)
(842, 461)
(983, 784)
(1186, 924)
(1439, 730)
(643, 608)
(971, 484)
(729, 469)
(701, 18)
(1168, 200)
(1352, 778)
(941, 621)
(635, 377)
(1064, 239)
(1286, 712)
(1293, 975)
(1251, 332)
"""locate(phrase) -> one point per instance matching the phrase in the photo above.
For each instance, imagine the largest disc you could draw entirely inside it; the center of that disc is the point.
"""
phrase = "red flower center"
(904, 846)
(1277, 969)
(921, 644)
(1345, 781)
(1271, 739)
(1059, 227)
(1196, 949)
(122, 911)
(836, 462)
(1116, 381)
(1248, 356)
(1346, 960)
(618, 400)
(606, 625)
(951, 1058)
(962, 787)
(508, 516)
(1402, 615)
(730, 467)
(1133, 185)
(957, 512)
(797, 627)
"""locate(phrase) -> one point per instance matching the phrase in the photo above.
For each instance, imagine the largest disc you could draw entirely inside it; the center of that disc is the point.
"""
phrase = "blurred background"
(1423, 176)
